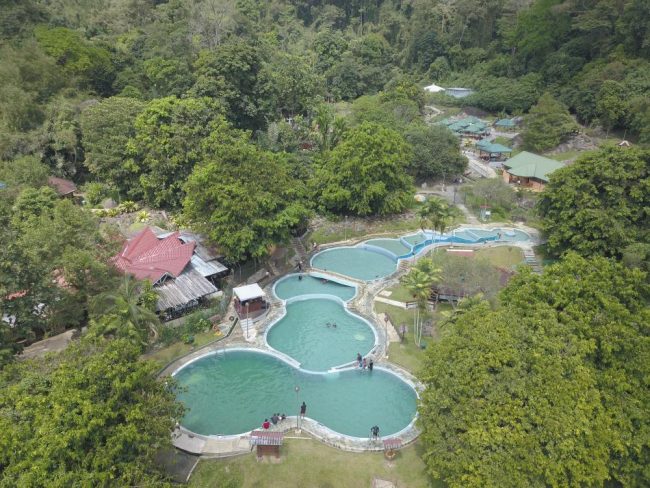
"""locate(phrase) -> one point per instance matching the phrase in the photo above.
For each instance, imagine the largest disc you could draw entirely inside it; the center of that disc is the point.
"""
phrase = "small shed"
(267, 443)
(391, 446)
(249, 299)
(65, 188)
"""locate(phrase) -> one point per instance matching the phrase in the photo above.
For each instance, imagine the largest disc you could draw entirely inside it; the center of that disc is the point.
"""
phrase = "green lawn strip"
(167, 354)
(399, 293)
(336, 231)
(502, 256)
(309, 463)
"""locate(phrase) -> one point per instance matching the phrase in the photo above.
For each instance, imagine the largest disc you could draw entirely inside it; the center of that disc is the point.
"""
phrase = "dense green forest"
(244, 119)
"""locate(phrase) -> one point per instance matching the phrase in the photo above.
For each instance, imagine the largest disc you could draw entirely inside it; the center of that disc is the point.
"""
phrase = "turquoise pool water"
(393, 245)
(233, 392)
(292, 286)
(304, 335)
(416, 239)
(355, 262)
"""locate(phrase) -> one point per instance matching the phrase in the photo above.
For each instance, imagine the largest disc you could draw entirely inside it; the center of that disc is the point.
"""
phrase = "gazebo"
(506, 124)
(492, 151)
(268, 443)
(250, 301)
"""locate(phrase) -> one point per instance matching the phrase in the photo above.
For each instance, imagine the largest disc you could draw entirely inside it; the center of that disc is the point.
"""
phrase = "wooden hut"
(391, 446)
(267, 443)
(250, 301)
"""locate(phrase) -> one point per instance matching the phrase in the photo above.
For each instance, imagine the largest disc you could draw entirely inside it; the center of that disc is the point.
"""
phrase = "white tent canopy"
(434, 88)
(248, 292)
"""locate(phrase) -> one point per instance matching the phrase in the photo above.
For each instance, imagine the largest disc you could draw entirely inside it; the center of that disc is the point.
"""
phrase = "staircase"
(301, 252)
(248, 329)
(532, 261)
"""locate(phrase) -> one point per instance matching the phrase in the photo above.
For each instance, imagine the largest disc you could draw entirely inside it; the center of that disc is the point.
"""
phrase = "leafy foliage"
(598, 205)
(365, 173)
(529, 394)
(243, 198)
(547, 125)
(93, 416)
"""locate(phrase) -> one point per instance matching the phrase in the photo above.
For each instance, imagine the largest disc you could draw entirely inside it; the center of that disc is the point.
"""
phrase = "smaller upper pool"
(356, 262)
(395, 246)
(320, 333)
(296, 285)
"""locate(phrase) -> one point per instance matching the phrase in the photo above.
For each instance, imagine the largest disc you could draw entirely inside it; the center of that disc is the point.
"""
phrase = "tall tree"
(598, 205)
(94, 415)
(244, 198)
(419, 283)
(106, 128)
(547, 125)
(168, 140)
(529, 394)
(366, 173)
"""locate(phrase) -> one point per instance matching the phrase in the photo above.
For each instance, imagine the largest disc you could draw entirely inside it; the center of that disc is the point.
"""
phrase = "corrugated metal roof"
(266, 438)
(189, 286)
(392, 443)
(207, 268)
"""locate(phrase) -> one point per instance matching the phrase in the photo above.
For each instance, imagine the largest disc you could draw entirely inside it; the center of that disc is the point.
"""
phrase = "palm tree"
(127, 312)
(436, 213)
(419, 283)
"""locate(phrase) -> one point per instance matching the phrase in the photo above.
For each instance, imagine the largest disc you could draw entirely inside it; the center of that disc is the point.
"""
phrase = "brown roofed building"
(65, 188)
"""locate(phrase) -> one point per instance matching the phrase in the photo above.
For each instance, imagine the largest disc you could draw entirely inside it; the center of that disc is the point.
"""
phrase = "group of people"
(364, 363)
(275, 418)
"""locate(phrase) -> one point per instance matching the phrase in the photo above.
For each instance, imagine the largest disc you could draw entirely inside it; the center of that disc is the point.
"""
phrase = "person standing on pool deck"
(266, 424)
(374, 431)
(303, 410)
(371, 365)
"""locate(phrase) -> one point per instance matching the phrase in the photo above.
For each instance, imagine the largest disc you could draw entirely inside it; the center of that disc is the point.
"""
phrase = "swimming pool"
(307, 334)
(233, 392)
(356, 262)
(305, 284)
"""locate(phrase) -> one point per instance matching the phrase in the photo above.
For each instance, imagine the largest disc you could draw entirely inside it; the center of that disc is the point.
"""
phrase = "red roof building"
(182, 278)
(147, 257)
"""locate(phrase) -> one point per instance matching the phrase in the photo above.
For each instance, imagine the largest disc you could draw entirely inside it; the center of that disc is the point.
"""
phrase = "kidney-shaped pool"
(232, 392)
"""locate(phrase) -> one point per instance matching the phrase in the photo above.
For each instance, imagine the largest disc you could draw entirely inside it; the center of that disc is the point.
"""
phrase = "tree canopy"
(365, 174)
(94, 415)
(529, 394)
(598, 205)
(244, 198)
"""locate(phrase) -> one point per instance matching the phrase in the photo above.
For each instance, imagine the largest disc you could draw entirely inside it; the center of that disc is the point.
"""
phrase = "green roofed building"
(529, 170)
(492, 151)
(506, 124)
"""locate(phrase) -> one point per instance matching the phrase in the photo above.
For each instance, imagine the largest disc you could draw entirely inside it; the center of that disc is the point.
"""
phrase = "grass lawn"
(400, 293)
(502, 256)
(407, 354)
(308, 463)
(339, 231)
(178, 349)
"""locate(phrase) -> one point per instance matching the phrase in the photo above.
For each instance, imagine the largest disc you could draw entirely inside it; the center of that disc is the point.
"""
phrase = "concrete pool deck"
(362, 304)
